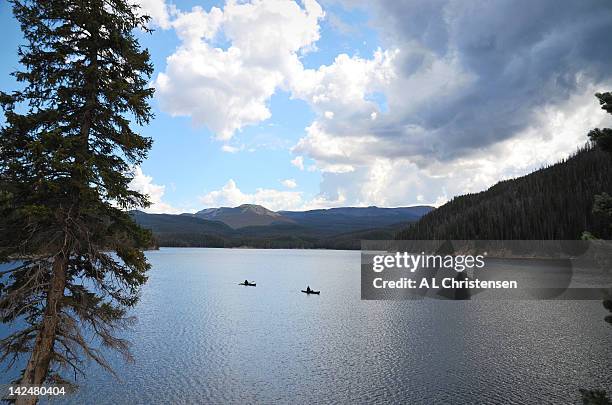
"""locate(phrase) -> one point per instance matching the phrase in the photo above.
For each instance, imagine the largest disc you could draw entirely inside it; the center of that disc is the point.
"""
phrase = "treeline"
(555, 202)
(216, 241)
(344, 241)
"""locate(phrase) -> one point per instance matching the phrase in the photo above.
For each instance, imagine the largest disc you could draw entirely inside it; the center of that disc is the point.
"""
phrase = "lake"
(202, 338)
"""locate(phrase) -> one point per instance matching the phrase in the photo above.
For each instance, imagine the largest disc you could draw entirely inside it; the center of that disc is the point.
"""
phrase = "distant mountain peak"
(243, 215)
(258, 209)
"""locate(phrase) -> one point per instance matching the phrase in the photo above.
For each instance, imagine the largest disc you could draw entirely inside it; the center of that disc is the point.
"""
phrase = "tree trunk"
(38, 365)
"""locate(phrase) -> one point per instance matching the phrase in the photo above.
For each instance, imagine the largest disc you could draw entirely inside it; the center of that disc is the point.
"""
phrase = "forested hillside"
(555, 202)
(336, 231)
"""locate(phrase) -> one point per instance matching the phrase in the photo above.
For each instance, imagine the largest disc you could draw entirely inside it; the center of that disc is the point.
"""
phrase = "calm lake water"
(201, 338)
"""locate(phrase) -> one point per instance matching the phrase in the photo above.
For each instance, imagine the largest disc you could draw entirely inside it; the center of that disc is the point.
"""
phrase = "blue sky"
(298, 105)
(185, 157)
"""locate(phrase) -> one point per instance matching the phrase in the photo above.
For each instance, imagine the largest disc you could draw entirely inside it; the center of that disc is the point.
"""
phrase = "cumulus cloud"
(555, 131)
(289, 183)
(157, 10)
(464, 83)
(226, 89)
(231, 195)
(323, 201)
(144, 184)
(298, 162)
(473, 73)
(340, 90)
(231, 149)
(276, 200)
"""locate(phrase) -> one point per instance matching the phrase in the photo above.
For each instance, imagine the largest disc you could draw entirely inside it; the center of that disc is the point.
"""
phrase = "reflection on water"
(202, 338)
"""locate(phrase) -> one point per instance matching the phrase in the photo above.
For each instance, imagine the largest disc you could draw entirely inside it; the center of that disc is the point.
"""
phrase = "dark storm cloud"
(520, 55)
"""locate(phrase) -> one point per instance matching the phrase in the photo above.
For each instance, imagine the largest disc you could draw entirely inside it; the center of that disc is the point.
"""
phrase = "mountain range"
(555, 202)
(256, 226)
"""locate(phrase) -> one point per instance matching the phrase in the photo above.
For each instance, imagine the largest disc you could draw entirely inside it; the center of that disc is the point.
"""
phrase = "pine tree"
(603, 201)
(603, 139)
(603, 207)
(74, 255)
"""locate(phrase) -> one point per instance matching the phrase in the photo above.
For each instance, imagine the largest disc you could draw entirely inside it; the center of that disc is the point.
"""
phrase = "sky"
(299, 105)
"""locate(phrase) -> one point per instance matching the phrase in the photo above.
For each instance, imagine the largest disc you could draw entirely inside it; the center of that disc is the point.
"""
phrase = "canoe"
(248, 285)
(311, 292)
